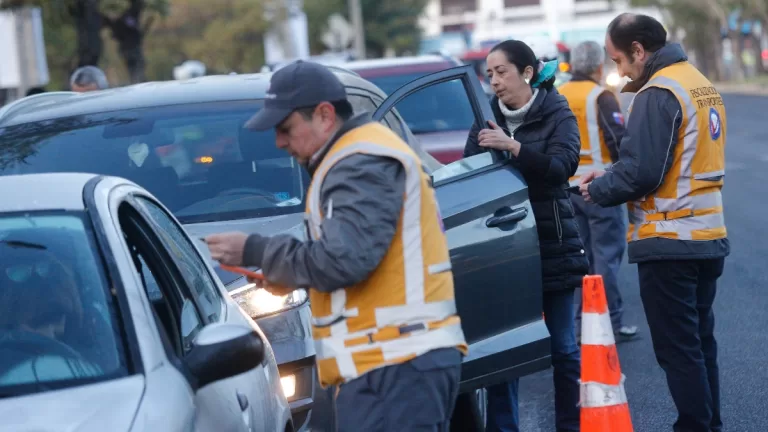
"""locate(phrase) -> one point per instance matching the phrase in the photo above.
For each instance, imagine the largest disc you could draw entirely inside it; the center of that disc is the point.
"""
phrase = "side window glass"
(186, 257)
(361, 104)
(440, 117)
(176, 317)
(189, 322)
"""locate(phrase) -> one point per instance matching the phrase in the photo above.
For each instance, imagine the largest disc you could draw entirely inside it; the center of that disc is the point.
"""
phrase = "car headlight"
(613, 79)
(258, 302)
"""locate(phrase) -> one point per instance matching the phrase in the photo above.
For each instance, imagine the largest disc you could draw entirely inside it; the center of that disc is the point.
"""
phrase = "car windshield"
(58, 326)
(439, 108)
(196, 158)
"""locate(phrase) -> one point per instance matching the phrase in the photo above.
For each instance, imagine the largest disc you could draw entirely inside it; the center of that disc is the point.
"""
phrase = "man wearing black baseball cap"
(376, 260)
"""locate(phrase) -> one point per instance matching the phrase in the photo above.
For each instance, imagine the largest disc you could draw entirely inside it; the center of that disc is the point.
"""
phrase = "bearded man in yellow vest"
(601, 127)
(670, 172)
(376, 262)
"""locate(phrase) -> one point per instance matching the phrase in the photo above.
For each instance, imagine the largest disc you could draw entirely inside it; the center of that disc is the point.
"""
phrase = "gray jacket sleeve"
(612, 127)
(646, 151)
(366, 195)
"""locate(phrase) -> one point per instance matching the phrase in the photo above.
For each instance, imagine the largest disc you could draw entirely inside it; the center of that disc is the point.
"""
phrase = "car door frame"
(208, 272)
(165, 386)
(529, 351)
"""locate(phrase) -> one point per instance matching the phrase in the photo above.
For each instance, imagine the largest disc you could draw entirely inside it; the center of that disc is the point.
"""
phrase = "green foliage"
(388, 23)
(60, 20)
(226, 35)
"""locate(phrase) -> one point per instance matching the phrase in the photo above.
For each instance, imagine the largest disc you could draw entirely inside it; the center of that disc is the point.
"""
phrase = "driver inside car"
(37, 309)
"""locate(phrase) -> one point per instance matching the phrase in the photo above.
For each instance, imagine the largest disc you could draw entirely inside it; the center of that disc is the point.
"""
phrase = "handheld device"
(574, 190)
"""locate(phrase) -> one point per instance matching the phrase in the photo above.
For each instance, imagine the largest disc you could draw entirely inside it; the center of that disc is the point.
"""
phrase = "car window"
(172, 304)
(361, 103)
(202, 286)
(440, 108)
(59, 324)
(196, 158)
(189, 322)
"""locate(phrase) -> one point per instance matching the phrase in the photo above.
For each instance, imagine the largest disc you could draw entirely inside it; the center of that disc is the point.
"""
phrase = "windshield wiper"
(23, 244)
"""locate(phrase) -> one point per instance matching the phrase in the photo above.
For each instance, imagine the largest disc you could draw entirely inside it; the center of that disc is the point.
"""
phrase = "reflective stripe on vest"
(406, 307)
(582, 99)
(688, 203)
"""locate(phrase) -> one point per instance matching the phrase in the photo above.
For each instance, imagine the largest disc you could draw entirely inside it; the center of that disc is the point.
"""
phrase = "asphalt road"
(741, 308)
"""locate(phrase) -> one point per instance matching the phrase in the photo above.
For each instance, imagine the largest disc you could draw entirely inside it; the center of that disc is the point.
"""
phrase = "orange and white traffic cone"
(604, 406)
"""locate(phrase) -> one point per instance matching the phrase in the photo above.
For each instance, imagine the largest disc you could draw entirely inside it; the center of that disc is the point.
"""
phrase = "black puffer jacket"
(548, 157)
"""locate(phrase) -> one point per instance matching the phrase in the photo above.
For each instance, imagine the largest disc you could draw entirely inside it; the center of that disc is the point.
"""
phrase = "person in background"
(87, 79)
(670, 172)
(601, 126)
(540, 135)
(376, 260)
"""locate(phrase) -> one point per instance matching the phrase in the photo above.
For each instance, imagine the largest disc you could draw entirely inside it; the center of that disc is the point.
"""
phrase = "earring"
(527, 80)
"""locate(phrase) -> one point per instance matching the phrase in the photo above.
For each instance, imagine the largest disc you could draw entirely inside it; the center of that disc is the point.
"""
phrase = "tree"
(226, 35)
(702, 21)
(389, 24)
(127, 20)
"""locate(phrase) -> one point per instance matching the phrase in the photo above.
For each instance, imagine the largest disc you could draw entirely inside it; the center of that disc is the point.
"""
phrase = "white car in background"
(112, 320)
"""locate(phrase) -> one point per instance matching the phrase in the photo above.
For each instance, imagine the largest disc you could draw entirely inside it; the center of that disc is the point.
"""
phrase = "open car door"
(492, 238)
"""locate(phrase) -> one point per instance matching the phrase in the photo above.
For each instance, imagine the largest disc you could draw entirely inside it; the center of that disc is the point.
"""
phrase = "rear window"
(439, 108)
(197, 158)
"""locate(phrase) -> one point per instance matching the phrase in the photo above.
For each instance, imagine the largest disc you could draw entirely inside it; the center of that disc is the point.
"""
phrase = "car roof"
(40, 192)
(398, 61)
(210, 88)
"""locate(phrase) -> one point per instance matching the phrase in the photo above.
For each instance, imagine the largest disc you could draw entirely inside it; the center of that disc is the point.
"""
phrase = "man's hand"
(227, 248)
(495, 138)
(585, 181)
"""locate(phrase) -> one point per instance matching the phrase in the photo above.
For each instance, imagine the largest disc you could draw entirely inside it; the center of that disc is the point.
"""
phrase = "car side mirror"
(222, 351)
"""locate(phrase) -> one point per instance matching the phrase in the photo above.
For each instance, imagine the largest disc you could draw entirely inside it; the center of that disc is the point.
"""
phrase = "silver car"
(111, 320)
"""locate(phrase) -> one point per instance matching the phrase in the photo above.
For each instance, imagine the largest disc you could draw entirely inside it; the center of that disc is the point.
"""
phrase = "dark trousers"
(604, 233)
(677, 296)
(417, 395)
(503, 415)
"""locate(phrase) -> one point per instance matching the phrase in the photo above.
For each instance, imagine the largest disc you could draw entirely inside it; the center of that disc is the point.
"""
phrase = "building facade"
(450, 23)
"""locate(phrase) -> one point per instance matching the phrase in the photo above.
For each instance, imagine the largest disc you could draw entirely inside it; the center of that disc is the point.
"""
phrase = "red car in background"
(440, 116)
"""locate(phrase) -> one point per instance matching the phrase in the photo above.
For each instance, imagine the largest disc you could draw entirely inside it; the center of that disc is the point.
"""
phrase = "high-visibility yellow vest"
(582, 98)
(406, 307)
(688, 204)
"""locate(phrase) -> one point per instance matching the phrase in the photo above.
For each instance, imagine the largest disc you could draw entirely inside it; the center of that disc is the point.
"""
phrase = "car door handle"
(516, 215)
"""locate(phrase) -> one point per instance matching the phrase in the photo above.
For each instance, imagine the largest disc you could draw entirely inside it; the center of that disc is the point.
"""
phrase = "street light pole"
(356, 15)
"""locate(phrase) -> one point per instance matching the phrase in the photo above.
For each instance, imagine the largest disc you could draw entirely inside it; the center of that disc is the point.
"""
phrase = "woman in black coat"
(538, 130)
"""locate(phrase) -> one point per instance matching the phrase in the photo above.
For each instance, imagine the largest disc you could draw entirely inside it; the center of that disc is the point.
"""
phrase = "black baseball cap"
(300, 84)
